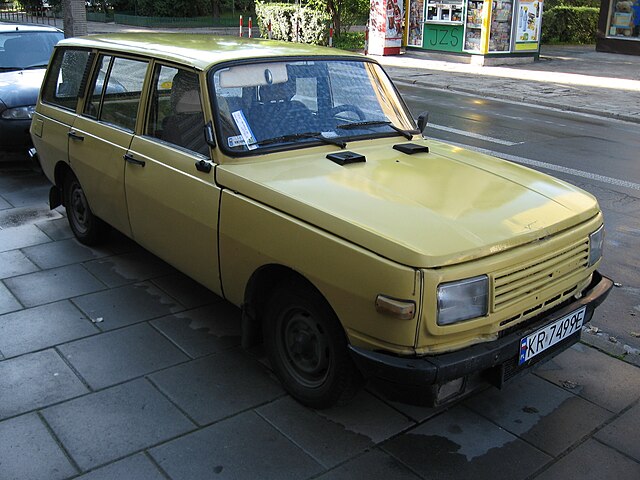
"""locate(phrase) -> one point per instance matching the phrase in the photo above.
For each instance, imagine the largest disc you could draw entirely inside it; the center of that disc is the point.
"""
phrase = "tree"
(344, 13)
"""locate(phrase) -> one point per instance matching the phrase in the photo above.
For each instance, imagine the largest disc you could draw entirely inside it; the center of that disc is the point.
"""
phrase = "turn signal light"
(402, 309)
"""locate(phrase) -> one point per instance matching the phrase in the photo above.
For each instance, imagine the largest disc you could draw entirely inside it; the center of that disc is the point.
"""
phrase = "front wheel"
(86, 227)
(307, 347)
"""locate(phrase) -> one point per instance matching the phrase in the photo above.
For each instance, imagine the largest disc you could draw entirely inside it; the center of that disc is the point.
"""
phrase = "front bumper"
(14, 135)
(439, 379)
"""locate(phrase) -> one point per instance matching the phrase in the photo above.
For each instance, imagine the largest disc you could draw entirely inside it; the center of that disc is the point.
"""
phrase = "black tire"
(87, 228)
(307, 347)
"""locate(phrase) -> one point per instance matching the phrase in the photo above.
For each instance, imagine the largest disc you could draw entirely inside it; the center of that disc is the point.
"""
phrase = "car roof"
(200, 50)
(8, 28)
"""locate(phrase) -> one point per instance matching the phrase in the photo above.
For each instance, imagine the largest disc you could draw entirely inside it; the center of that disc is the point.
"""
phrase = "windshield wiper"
(408, 134)
(37, 65)
(297, 136)
(29, 67)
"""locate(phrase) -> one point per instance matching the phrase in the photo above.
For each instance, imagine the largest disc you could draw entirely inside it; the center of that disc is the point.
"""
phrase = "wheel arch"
(257, 292)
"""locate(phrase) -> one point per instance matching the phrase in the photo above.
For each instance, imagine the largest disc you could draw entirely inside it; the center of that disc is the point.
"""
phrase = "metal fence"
(38, 16)
(175, 22)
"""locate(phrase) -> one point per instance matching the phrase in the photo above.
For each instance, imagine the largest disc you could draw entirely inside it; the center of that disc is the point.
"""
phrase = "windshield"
(22, 50)
(280, 104)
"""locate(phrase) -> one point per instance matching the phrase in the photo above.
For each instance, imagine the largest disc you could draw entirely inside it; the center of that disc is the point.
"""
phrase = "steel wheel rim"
(79, 208)
(304, 348)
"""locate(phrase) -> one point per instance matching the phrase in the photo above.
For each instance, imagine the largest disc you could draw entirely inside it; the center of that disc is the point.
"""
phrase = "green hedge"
(565, 24)
(313, 25)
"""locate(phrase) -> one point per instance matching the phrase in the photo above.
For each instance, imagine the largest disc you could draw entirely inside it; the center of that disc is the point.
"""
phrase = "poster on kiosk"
(528, 23)
(385, 27)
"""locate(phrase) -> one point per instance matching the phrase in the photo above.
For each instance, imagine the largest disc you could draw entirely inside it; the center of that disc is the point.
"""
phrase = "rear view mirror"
(423, 120)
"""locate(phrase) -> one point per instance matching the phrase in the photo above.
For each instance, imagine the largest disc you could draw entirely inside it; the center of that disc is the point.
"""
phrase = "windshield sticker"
(245, 131)
(235, 141)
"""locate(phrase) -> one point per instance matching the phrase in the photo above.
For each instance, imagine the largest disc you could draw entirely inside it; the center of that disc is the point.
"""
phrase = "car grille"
(529, 280)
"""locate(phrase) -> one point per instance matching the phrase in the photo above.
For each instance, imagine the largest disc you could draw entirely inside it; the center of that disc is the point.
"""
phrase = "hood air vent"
(345, 158)
(411, 148)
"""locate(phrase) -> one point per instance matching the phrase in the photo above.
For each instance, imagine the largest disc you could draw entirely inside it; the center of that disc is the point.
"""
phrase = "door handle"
(75, 136)
(133, 161)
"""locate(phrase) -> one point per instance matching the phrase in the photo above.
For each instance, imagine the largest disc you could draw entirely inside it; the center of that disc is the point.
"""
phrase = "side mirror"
(423, 120)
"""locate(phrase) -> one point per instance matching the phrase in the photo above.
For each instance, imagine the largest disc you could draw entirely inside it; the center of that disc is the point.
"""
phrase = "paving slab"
(188, 292)
(4, 204)
(136, 467)
(34, 195)
(63, 252)
(459, 444)
(369, 416)
(224, 451)
(128, 268)
(622, 434)
(52, 285)
(31, 214)
(8, 303)
(42, 327)
(543, 414)
(34, 381)
(21, 237)
(593, 461)
(595, 376)
(56, 229)
(28, 451)
(373, 464)
(212, 388)
(327, 442)
(13, 263)
(121, 355)
(203, 330)
(119, 307)
(114, 423)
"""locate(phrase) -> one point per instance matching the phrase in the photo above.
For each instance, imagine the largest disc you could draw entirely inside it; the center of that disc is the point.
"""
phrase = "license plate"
(547, 336)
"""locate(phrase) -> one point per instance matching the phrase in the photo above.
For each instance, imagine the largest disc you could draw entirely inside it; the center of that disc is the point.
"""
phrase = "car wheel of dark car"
(307, 347)
(87, 228)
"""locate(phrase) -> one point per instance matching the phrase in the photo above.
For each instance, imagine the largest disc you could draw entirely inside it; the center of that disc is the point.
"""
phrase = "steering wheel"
(335, 111)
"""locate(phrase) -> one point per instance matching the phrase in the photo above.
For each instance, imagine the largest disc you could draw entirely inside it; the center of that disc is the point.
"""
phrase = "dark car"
(24, 55)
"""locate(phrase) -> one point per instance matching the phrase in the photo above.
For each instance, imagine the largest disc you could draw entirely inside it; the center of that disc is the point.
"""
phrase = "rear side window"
(115, 91)
(64, 80)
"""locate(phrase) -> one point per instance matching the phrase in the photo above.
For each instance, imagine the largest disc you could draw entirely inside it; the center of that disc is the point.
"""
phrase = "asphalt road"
(595, 153)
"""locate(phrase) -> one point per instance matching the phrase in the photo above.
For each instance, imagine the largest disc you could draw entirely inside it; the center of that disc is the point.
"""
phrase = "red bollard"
(250, 27)
(269, 29)
(331, 35)
(240, 26)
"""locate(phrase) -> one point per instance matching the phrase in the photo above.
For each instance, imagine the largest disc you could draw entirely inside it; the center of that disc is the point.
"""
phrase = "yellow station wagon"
(292, 181)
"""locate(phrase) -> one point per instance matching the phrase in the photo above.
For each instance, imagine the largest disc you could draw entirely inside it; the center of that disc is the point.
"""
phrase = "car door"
(101, 136)
(56, 112)
(171, 194)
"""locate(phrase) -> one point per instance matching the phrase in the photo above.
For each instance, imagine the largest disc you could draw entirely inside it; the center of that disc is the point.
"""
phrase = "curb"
(516, 99)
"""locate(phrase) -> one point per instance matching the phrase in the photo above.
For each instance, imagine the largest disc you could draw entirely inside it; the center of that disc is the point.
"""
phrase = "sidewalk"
(114, 365)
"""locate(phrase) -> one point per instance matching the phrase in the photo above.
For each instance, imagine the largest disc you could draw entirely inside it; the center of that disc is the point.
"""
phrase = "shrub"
(313, 25)
(564, 24)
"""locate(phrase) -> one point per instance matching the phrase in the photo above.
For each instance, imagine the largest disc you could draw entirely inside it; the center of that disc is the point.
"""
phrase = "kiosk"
(482, 29)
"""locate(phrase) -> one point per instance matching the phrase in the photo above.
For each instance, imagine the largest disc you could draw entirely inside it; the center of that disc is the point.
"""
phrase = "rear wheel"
(87, 228)
(307, 347)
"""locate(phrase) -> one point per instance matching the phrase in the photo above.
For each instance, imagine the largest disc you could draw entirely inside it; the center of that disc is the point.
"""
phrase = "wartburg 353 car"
(292, 181)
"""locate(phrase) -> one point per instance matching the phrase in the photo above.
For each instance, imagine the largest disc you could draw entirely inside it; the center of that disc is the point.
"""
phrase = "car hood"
(423, 210)
(20, 87)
